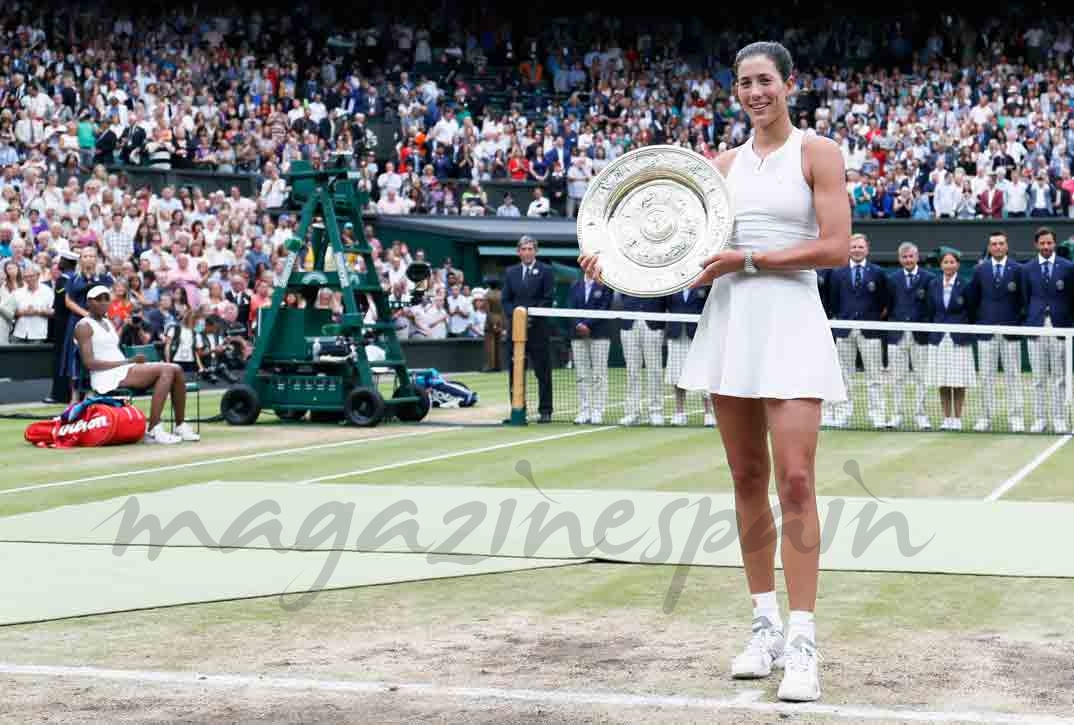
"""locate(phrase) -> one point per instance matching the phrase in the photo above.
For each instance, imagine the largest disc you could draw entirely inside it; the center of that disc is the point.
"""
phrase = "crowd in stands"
(954, 120)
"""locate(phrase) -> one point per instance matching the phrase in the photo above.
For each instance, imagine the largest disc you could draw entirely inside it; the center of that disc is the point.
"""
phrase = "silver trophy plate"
(653, 214)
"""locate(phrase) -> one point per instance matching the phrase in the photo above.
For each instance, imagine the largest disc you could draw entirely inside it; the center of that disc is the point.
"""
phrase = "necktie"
(588, 289)
(857, 276)
(1048, 272)
(909, 280)
(997, 273)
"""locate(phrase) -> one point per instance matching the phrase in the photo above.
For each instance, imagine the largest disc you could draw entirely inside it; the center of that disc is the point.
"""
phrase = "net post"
(519, 319)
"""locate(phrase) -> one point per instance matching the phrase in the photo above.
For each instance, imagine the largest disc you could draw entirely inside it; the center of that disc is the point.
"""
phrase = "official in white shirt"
(33, 307)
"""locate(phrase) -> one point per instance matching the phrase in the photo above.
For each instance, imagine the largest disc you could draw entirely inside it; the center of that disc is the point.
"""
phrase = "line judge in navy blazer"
(643, 346)
(1047, 286)
(859, 291)
(996, 294)
(908, 352)
(530, 284)
(590, 346)
(951, 367)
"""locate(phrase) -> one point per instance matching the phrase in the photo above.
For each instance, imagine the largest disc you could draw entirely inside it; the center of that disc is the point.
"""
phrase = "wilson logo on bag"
(99, 425)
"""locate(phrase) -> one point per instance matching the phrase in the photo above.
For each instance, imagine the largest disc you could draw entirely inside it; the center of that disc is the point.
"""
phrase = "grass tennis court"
(578, 641)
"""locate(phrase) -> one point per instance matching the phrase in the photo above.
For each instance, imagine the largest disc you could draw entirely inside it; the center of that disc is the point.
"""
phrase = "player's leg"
(919, 359)
(899, 369)
(653, 352)
(1038, 365)
(847, 350)
(744, 432)
(1057, 383)
(160, 378)
(794, 427)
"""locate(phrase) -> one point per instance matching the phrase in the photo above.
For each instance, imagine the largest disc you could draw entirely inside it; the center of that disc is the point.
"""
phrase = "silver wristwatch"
(750, 267)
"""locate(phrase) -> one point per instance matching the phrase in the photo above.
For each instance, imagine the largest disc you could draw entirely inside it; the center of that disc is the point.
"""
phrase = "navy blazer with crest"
(910, 304)
(997, 304)
(694, 304)
(537, 291)
(1048, 299)
(644, 304)
(600, 298)
(867, 302)
(824, 282)
(958, 312)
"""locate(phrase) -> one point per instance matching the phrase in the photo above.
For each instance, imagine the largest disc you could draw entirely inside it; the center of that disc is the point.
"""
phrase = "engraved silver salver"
(653, 214)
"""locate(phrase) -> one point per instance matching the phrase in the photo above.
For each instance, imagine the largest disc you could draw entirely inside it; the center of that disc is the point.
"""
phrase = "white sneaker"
(761, 652)
(801, 682)
(1037, 427)
(895, 422)
(157, 434)
(982, 425)
(678, 419)
(656, 419)
(922, 422)
(597, 418)
(1059, 425)
(629, 419)
(956, 424)
(581, 418)
(186, 433)
(710, 420)
(947, 424)
(1017, 425)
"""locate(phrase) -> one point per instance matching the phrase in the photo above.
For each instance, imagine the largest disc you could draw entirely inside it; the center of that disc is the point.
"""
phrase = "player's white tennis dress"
(766, 335)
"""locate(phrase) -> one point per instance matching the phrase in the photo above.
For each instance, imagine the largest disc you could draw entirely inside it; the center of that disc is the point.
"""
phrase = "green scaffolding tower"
(304, 361)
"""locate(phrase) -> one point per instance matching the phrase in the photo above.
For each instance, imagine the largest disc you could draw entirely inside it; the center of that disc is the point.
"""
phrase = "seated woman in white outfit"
(109, 368)
(764, 351)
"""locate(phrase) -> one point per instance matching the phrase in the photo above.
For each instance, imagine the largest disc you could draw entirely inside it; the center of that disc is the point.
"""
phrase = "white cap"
(97, 291)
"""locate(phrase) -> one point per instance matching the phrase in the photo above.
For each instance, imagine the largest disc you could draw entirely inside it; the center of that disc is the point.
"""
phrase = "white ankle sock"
(801, 622)
(765, 604)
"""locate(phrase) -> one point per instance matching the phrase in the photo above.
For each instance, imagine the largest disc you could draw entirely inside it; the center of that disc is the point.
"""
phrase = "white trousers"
(872, 358)
(1049, 377)
(990, 353)
(591, 374)
(908, 364)
(642, 345)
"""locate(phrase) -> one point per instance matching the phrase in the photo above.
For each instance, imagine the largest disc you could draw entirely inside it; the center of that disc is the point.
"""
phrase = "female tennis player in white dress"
(764, 351)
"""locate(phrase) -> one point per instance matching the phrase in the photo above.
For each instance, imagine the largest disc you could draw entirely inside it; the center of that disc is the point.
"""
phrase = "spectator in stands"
(540, 206)
(13, 282)
(908, 352)
(951, 367)
(508, 208)
(860, 291)
(990, 203)
(1047, 285)
(994, 297)
(33, 308)
(590, 346)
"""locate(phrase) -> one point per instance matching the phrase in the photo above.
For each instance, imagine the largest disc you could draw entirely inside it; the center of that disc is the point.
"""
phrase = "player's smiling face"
(761, 90)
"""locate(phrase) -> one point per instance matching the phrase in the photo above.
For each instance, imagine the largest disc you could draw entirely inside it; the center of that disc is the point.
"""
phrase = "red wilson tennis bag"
(96, 424)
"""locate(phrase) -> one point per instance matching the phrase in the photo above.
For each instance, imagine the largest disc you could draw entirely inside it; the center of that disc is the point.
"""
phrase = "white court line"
(1027, 469)
(748, 700)
(456, 454)
(229, 459)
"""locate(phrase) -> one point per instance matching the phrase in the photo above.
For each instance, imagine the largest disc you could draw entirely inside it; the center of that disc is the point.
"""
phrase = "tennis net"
(899, 376)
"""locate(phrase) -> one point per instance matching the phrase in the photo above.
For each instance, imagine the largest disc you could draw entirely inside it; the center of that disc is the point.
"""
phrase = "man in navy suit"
(559, 152)
(1047, 283)
(643, 343)
(690, 301)
(859, 291)
(530, 284)
(909, 303)
(591, 341)
(997, 300)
